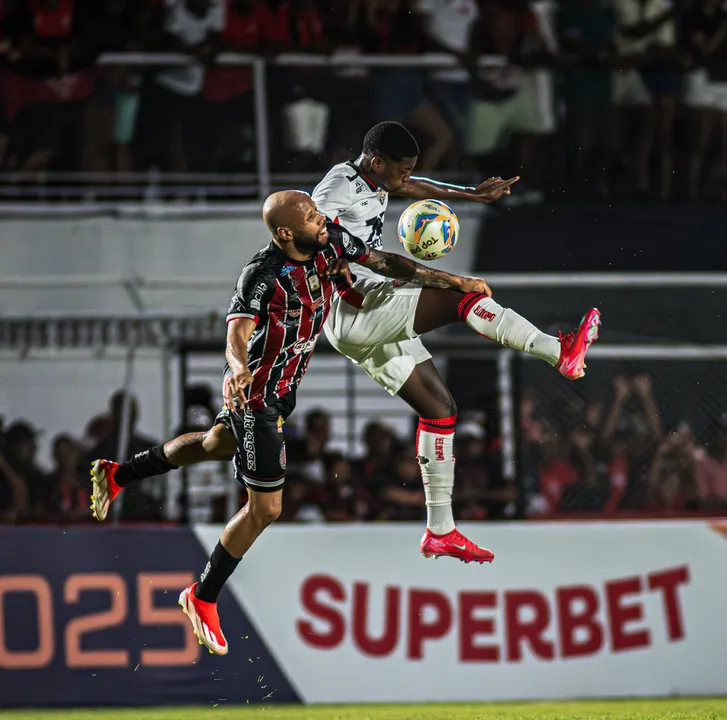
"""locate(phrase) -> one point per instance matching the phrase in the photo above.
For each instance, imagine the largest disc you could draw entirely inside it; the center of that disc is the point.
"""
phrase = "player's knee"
(219, 443)
(446, 406)
(265, 509)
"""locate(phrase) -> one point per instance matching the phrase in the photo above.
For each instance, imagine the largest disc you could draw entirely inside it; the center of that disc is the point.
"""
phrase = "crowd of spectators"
(604, 458)
(625, 96)
(615, 456)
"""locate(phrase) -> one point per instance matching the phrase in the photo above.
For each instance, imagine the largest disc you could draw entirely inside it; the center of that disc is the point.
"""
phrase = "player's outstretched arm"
(239, 332)
(400, 267)
(487, 192)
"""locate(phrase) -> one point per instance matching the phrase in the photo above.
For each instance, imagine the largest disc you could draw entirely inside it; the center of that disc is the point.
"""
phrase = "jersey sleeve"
(354, 248)
(253, 293)
(332, 195)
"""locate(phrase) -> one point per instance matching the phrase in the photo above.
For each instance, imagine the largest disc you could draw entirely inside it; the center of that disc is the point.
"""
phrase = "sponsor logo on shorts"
(283, 458)
(248, 444)
(484, 314)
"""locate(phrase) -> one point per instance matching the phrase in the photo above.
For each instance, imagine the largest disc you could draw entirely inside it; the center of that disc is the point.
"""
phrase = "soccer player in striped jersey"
(378, 323)
(277, 313)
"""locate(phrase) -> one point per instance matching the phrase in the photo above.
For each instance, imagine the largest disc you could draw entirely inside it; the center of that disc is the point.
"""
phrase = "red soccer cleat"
(105, 489)
(205, 620)
(455, 545)
(574, 346)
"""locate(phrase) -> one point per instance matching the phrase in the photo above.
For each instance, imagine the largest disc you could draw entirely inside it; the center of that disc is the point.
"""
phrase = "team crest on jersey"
(382, 197)
(313, 283)
(287, 269)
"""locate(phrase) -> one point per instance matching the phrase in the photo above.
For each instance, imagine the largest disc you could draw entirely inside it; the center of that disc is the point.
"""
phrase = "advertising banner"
(566, 610)
(90, 617)
(344, 614)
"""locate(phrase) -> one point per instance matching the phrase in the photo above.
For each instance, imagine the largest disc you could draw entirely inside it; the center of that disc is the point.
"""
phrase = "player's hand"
(493, 189)
(474, 285)
(339, 268)
(235, 389)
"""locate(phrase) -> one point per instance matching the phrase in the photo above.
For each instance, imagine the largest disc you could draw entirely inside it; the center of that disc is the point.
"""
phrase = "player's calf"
(436, 462)
(199, 600)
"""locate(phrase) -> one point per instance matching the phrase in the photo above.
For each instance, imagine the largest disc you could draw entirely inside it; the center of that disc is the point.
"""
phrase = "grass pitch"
(702, 709)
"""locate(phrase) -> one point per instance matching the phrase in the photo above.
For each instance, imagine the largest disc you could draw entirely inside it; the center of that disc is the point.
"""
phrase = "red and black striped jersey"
(290, 302)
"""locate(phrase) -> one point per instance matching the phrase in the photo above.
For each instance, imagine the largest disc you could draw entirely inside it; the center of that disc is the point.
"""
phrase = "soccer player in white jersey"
(377, 323)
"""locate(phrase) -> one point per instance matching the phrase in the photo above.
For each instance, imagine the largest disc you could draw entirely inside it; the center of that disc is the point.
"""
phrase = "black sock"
(143, 465)
(215, 575)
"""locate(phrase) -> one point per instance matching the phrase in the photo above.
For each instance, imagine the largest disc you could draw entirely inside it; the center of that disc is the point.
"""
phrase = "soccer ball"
(428, 229)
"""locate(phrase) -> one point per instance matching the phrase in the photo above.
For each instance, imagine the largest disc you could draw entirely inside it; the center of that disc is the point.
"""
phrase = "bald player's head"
(294, 222)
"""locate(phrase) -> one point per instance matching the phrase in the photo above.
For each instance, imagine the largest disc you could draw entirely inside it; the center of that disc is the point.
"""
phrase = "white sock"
(508, 328)
(436, 460)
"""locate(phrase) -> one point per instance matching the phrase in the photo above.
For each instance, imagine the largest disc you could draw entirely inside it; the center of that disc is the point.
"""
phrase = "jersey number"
(377, 228)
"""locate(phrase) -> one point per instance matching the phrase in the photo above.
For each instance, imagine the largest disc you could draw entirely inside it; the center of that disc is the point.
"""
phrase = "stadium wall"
(176, 245)
(337, 614)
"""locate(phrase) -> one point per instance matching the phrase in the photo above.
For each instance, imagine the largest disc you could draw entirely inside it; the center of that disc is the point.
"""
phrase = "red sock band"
(467, 303)
(437, 426)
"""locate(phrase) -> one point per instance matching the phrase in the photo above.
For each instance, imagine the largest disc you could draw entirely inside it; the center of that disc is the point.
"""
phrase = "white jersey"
(349, 198)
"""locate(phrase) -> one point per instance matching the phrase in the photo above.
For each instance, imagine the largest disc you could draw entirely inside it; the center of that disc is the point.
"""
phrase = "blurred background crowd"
(583, 98)
(607, 457)
(615, 97)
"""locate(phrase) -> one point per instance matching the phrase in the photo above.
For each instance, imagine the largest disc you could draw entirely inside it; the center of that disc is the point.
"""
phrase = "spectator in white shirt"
(172, 114)
(447, 26)
(649, 82)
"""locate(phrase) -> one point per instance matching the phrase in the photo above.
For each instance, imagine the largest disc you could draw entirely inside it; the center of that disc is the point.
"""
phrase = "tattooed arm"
(399, 267)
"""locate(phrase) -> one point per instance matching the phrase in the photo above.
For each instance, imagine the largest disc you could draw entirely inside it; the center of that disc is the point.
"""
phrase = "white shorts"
(379, 336)
(701, 92)
(629, 89)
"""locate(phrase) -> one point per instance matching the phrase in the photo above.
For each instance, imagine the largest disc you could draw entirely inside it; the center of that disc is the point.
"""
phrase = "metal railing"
(60, 186)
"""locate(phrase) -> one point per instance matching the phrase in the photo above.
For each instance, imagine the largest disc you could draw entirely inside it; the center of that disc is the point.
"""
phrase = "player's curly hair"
(390, 140)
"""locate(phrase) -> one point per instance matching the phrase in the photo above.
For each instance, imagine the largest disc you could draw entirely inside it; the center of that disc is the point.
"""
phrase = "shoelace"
(462, 540)
(567, 338)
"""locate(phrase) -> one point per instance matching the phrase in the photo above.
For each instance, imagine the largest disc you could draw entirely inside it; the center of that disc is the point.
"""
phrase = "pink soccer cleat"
(105, 489)
(205, 620)
(455, 545)
(574, 346)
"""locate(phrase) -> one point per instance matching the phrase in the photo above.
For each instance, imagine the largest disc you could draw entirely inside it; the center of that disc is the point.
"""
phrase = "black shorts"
(260, 461)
